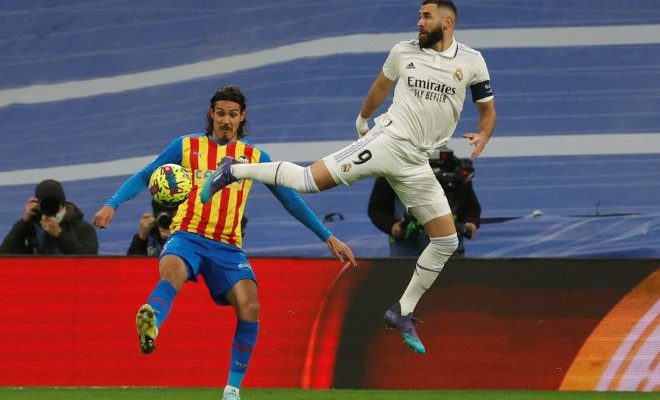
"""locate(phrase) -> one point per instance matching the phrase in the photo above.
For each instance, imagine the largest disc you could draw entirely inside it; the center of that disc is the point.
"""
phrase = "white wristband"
(362, 125)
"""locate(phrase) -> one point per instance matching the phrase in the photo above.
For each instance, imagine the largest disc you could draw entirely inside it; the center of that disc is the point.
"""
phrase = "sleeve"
(140, 180)
(391, 66)
(14, 242)
(83, 242)
(296, 206)
(381, 205)
(480, 84)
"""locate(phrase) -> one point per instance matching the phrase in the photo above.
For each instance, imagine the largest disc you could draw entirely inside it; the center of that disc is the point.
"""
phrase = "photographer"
(153, 232)
(50, 225)
(407, 237)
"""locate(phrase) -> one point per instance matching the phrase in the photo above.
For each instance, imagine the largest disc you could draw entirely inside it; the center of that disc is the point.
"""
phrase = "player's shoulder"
(407, 45)
(191, 136)
(261, 152)
(466, 50)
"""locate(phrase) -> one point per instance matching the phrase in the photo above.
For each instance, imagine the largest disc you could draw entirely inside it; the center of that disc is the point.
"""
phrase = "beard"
(429, 39)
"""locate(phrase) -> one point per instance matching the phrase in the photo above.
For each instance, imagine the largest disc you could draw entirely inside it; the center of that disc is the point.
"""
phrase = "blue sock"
(161, 300)
(241, 351)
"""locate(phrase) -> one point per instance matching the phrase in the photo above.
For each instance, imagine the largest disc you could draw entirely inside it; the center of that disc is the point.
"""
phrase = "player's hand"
(471, 230)
(103, 217)
(341, 250)
(31, 206)
(478, 142)
(398, 231)
(362, 125)
(51, 226)
(147, 222)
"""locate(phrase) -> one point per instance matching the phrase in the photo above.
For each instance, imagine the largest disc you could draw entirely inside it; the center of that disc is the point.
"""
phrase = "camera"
(163, 219)
(462, 230)
(48, 206)
(451, 171)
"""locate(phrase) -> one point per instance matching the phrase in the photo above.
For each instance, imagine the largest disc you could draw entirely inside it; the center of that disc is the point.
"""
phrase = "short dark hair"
(229, 93)
(443, 3)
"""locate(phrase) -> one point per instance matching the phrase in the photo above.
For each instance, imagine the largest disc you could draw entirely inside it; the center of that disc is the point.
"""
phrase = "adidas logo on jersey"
(410, 66)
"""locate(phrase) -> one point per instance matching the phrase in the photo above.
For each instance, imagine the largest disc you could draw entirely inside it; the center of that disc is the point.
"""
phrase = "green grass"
(297, 394)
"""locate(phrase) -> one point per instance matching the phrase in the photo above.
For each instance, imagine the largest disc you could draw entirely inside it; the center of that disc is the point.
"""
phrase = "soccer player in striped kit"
(432, 75)
(206, 238)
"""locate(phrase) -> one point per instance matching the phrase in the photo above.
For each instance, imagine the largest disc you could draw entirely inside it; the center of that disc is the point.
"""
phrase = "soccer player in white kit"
(432, 75)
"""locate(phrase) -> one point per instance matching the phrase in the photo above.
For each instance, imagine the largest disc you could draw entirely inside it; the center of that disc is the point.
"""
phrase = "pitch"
(298, 394)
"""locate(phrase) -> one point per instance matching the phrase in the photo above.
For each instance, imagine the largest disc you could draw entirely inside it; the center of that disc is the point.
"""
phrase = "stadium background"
(90, 91)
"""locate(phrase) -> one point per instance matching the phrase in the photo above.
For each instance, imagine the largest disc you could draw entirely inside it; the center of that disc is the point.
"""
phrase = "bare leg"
(244, 298)
(322, 176)
(173, 269)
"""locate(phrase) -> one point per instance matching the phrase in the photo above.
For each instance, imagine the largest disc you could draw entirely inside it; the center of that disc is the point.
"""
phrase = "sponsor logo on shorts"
(244, 266)
(346, 167)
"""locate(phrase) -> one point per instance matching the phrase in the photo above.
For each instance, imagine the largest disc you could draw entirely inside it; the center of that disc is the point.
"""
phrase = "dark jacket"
(385, 209)
(150, 247)
(77, 237)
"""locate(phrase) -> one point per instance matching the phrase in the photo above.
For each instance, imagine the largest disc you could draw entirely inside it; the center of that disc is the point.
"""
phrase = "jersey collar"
(449, 53)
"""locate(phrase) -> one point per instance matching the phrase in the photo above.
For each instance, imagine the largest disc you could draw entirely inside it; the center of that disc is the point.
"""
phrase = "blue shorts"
(221, 264)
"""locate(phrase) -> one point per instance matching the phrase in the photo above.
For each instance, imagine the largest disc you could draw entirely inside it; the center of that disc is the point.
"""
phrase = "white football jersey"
(430, 91)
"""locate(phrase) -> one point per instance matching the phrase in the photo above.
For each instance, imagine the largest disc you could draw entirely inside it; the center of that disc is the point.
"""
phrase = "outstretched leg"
(369, 156)
(310, 179)
(152, 314)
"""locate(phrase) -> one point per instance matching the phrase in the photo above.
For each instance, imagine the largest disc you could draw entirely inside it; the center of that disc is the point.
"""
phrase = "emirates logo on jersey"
(458, 75)
(430, 90)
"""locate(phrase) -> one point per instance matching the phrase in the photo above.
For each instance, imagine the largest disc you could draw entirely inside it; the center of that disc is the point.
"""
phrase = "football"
(170, 185)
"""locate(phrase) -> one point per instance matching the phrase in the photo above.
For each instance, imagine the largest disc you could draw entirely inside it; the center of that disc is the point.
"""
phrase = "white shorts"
(400, 162)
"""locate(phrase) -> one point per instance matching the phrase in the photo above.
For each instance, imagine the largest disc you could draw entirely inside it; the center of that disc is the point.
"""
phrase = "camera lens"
(164, 220)
(49, 206)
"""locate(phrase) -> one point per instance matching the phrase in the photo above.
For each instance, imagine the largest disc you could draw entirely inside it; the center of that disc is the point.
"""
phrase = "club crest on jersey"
(346, 167)
(458, 75)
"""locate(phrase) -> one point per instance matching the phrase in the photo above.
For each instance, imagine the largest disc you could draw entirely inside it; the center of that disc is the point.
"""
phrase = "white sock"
(428, 267)
(282, 173)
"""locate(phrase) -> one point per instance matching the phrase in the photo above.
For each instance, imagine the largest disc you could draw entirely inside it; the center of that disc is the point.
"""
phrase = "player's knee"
(445, 245)
(438, 251)
(296, 177)
(173, 271)
(249, 310)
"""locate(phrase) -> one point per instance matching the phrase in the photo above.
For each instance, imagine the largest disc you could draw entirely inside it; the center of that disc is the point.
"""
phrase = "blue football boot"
(218, 180)
(405, 324)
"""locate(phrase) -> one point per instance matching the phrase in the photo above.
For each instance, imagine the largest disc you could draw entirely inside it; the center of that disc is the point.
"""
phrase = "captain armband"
(481, 90)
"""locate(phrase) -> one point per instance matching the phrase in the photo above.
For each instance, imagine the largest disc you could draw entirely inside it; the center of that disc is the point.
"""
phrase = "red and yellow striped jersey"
(219, 219)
